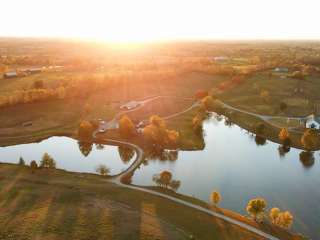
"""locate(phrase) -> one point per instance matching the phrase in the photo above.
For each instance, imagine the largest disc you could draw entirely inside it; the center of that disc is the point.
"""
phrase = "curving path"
(139, 159)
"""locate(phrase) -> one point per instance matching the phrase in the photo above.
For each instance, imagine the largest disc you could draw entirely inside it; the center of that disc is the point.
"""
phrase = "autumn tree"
(310, 139)
(126, 153)
(207, 102)
(33, 165)
(200, 94)
(284, 136)
(256, 208)
(103, 170)
(47, 161)
(215, 197)
(126, 127)
(274, 214)
(85, 130)
(158, 134)
(285, 219)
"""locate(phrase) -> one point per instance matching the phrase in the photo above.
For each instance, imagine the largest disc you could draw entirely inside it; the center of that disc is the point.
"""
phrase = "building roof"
(11, 74)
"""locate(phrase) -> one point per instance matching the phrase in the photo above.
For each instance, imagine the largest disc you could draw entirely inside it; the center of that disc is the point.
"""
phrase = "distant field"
(247, 95)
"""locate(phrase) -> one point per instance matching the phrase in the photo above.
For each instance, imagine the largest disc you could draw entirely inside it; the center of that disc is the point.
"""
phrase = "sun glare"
(146, 20)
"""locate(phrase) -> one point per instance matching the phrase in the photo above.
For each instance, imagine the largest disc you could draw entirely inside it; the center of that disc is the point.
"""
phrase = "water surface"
(70, 155)
(240, 168)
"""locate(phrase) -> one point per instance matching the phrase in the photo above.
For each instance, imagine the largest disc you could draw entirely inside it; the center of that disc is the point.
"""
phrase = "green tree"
(126, 127)
(47, 161)
(21, 161)
(256, 208)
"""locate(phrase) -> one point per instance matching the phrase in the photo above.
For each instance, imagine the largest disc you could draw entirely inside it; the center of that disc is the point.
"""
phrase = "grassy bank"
(61, 205)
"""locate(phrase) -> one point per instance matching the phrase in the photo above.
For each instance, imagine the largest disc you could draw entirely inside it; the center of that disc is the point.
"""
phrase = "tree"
(274, 214)
(256, 208)
(158, 134)
(201, 94)
(207, 102)
(197, 125)
(126, 127)
(164, 179)
(21, 161)
(284, 136)
(85, 130)
(47, 161)
(33, 165)
(310, 139)
(103, 170)
(215, 197)
(285, 219)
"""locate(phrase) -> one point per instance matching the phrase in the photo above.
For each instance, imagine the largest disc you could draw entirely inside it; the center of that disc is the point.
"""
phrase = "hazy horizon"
(142, 20)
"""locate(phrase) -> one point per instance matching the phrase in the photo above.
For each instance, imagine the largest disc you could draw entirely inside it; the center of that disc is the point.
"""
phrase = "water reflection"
(69, 154)
(85, 148)
(126, 154)
(307, 159)
(260, 141)
(283, 150)
(233, 162)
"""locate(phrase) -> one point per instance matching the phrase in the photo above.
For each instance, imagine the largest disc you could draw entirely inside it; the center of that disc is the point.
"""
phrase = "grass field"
(247, 95)
(61, 205)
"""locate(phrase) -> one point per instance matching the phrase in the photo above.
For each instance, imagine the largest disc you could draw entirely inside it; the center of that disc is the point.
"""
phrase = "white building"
(313, 122)
(130, 105)
(281, 70)
(10, 74)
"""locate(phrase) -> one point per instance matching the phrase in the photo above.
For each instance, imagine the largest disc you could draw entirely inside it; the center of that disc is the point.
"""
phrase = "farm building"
(220, 59)
(281, 70)
(130, 105)
(12, 74)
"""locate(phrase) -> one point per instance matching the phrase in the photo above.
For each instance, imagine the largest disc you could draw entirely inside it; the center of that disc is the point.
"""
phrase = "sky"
(149, 20)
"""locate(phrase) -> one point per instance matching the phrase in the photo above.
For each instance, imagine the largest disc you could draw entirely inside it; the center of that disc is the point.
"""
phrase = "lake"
(70, 155)
(233, 164)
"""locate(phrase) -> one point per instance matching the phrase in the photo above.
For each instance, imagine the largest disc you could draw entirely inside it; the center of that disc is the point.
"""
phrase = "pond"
(71, 155)
(242, 167)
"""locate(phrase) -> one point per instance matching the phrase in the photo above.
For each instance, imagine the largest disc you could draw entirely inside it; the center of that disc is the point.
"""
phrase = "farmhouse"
(12, 74)
(281, 70)
(130, 105)
(221, 59)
